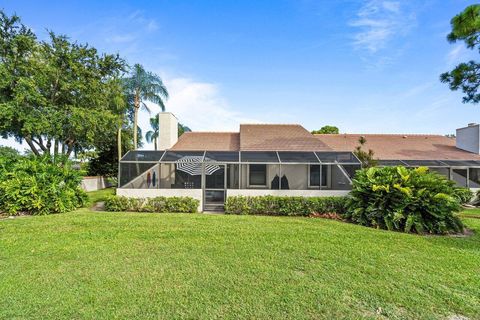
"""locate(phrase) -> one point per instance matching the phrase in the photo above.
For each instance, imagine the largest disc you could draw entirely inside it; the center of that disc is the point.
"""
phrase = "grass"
(100, 195)
(98, 265)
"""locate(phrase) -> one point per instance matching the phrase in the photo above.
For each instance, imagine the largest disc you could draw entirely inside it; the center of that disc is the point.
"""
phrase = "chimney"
(168, 130)
(468, 138)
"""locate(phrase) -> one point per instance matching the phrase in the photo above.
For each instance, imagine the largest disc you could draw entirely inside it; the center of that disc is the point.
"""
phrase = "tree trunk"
(135, 121)
(155, 143)
(32, 146)
(119, 142)
(70, 148)
(55, 149)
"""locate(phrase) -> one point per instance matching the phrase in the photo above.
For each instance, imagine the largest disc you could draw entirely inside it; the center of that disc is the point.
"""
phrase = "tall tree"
(465, 76)
(56, 92)
(326, 130)
(152, 135)
(141, 86)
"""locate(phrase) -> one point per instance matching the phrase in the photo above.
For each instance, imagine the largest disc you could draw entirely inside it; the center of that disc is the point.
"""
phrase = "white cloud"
(199, 105)
(378, 23)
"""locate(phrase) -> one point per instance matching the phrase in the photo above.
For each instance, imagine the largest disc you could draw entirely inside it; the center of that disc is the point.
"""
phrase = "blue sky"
(362, 65)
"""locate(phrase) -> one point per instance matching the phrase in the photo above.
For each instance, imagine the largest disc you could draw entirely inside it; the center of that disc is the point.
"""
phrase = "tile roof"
(278, 137)
(290, 137)
(214, 141)
(400, 147)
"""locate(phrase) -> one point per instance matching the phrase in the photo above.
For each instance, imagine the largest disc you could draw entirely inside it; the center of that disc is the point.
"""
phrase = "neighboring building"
(286, 159)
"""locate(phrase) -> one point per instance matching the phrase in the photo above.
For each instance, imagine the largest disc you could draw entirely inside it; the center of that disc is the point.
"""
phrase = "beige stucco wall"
(152, 193)
(168, 130)
(94, 183)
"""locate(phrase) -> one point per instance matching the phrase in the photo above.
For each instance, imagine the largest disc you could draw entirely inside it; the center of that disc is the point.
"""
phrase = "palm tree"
(143, 86)
(152, 135)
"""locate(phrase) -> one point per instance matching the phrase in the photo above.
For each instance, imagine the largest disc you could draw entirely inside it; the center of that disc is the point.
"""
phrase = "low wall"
(152, 193)
(287, 193)
(94, 183)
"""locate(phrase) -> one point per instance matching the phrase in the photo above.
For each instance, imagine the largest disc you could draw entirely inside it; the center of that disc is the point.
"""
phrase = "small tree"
(366, 157)
(326, 130)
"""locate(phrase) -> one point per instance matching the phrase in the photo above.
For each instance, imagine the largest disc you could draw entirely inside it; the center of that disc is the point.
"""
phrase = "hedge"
(285, 206)
(158, 204)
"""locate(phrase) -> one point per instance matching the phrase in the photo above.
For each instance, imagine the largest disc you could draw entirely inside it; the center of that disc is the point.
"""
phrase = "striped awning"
(193, 165)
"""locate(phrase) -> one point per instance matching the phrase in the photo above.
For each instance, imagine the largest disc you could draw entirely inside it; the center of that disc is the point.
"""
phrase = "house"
(282, 159)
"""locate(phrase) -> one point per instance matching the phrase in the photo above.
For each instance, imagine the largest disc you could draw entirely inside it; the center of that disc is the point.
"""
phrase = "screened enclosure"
(220, 170)
(465, 173)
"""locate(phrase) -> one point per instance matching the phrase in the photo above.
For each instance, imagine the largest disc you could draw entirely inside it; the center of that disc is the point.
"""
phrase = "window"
(314, 179)
(258, 175)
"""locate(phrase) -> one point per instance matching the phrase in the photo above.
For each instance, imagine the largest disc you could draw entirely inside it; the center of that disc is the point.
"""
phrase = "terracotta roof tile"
(214, 141)
(278, 137)
(400, 147)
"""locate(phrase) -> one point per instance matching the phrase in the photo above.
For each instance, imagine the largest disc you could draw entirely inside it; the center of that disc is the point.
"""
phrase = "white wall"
(152, 193)
(168, 130)
(94, 183)
(468, 138)
(288, 193)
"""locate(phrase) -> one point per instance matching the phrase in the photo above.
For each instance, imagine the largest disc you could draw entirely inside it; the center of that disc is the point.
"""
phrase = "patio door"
(215, 189)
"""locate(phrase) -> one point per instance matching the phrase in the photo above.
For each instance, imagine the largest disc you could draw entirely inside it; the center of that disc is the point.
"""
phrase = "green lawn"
(97, 265)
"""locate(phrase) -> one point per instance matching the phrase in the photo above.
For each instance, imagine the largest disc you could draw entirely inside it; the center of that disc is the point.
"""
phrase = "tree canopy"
(326, 130)
(56, 91)
(466, 75)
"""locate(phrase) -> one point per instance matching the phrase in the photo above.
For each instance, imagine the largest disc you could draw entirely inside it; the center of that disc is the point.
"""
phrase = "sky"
(366, 66)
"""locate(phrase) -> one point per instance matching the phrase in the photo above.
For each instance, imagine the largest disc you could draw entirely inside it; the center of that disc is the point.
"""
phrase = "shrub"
(39, 186)
(401, 199)
(464, 195)
(284, 206)
(158, 204)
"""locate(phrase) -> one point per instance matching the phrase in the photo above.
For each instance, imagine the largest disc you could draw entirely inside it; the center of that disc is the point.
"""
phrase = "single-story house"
(282, 159)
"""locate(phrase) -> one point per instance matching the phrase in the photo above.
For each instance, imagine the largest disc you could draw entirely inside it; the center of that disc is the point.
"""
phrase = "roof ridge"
(271, 124)
(380, 134)
(212, 132)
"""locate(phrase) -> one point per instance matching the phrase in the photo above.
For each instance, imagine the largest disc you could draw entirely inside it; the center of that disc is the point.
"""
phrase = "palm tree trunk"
(135, 121)
(155, 143)
(119, 142)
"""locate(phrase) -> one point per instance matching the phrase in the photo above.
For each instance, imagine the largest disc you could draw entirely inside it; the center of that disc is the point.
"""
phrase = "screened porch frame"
(318, 158)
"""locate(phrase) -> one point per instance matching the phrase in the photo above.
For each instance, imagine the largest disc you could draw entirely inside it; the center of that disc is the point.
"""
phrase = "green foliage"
(402, 199)
(284, 206)
(141, 86)
(8, 154)
(182, 129)
(56, 93)
(464, 195)
(326, 130)
(367, 158)
(105, 163)
(39, 186)
(158, 204)
(465, 76)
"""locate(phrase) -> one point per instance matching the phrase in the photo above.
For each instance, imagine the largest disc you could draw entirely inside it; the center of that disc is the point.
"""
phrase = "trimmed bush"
(285, 206)
(464, 195)
(403, 199)
(39, 186)
(158, 204)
